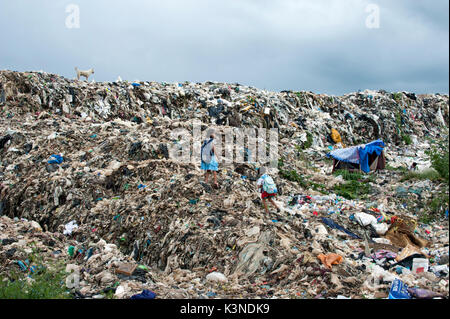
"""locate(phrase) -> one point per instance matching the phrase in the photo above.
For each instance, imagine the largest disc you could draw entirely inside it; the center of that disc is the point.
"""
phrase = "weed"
(348, 176)
(439, 157)
(309, 141)
(353, 189)
(354, 176)
(407, 139)
(398, 169)
(397, 96)
(319, 188)
(426, 218)
(291, 175)
(439, 202)
(436, 208)
(430, 174)
(110, 295)
(305, 145)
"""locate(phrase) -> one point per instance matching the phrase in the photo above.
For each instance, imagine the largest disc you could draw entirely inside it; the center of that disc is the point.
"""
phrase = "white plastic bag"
(70, 227)
(365, 219)
(381, 229)
(216, 277)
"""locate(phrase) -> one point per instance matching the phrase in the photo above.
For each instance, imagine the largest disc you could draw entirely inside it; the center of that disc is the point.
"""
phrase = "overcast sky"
(322, 46)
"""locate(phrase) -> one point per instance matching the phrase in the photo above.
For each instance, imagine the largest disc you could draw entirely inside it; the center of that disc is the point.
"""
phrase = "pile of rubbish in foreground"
(88, 181)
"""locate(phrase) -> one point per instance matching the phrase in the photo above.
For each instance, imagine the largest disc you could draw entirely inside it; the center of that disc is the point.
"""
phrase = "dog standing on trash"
(267, 188)
(86, 74)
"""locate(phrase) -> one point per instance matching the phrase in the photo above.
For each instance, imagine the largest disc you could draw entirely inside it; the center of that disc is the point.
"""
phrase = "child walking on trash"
(267, 188)
(209, 159)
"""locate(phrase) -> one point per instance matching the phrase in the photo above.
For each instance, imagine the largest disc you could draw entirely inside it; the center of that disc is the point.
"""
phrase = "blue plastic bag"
(146, 294)
(57, 159)
(399, 290)
(329, 222)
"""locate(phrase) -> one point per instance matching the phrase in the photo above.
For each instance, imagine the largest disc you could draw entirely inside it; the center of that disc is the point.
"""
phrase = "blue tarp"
(374, 147)
(358, 154)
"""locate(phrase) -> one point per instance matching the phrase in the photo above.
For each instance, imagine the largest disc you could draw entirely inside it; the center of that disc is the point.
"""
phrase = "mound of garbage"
(87, 178)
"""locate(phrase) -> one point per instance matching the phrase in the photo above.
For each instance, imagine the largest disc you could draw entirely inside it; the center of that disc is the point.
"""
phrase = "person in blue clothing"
(209, 159)
(267, 188)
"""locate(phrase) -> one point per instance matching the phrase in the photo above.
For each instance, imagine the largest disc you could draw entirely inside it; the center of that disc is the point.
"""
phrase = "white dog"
(86, 74)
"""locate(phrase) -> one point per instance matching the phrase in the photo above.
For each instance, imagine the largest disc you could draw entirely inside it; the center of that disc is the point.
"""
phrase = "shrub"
(440, 160)
(46, 284)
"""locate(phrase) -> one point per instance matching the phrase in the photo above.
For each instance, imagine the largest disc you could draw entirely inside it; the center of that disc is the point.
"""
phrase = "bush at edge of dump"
(46, 283)
(439, 157)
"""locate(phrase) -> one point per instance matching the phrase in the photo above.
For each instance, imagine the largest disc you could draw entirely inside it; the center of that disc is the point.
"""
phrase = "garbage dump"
(87, 180)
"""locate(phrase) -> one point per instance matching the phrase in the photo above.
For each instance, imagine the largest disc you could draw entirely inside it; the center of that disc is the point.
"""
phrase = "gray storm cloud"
(323, 46)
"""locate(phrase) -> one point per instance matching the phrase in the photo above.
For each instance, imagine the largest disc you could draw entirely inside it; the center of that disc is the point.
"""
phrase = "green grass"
(309, 141)
(293, 176)
(353, 190)
(407, 139)
(397, 96)
(402, 169)
(439, 202)
(436, 207)
(398, 119)
(348, 176)
(110, 295)
(319, 188)
(307, 144)
(300, 97)
(430, 174)
(354, 176)
(426, 218)
(302, 157)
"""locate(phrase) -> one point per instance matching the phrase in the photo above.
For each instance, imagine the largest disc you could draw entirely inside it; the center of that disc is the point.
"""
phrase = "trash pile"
(86, 173)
